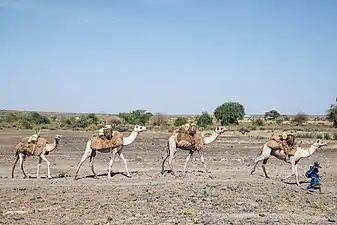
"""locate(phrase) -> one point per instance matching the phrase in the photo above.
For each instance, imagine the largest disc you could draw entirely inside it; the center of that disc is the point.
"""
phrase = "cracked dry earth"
(227, 195)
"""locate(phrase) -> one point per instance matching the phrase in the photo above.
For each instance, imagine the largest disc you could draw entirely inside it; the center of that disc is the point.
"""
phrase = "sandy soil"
(227, 195)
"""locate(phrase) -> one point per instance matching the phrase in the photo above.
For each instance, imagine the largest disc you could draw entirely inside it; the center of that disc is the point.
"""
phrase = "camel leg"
(264, 167)
(125, 164)
(186, 161)
(86, 155)
(112, 160)
(163, 163)
(296, 175)
(38, 168)
(172, 153)
(203, 160)
(22, 158)
(256, 161)
(14, 165)
(48, 165)
(92, 158)
(293, 172)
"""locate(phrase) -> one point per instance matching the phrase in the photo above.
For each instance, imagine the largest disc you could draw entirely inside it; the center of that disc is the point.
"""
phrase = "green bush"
(204, 120)
(258, 122)
(229, 113)
(332, 115)
(279, 120)
(180, 121)
(140, 117)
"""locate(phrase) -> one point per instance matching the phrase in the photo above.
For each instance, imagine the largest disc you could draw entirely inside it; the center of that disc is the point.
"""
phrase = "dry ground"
(227, 195)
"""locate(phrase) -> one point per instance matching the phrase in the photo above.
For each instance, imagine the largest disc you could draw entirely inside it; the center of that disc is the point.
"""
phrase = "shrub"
(180, 121)
(204, 120)
(140, 117)
(258, 122)
(332, 115)
(300, 118)
(279, 120)
(229, 113)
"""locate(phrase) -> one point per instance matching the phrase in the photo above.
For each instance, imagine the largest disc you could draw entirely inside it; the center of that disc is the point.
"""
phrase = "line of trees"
(226, 114)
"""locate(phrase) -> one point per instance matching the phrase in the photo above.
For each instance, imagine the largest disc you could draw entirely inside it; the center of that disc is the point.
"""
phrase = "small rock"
(331, 220)
(262, 214)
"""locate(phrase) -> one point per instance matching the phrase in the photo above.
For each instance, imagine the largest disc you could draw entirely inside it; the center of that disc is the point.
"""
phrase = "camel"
(22, 152)
(201, 139)
(300, 153)
(92, 153)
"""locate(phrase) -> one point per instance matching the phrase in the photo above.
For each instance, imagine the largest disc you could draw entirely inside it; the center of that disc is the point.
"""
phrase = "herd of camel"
(172, 147)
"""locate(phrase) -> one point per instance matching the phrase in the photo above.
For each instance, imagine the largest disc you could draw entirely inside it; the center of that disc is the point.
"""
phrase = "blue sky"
(169, 56)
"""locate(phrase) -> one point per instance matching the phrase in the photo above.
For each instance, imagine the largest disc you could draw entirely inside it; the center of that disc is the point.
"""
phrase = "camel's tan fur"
(98, 143)
(185, 135)
(200, 140)
(23, 150)
(27, 148)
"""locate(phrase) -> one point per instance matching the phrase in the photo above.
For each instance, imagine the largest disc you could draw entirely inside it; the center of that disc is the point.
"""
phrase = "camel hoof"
(128, 176)
(267, 177)
(49, 177)
(24, 177)
(75, 178)
(38, 177)
(95, 177)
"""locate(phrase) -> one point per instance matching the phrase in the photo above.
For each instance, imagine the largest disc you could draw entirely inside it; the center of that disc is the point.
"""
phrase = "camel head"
(220, 130)
(139, 128)
(57, 137)
(319, 143)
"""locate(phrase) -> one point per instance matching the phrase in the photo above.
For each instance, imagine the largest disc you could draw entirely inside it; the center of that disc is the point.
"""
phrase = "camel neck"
(128, 140)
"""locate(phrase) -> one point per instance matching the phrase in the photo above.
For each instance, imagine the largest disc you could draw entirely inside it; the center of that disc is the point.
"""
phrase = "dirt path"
(227, 195)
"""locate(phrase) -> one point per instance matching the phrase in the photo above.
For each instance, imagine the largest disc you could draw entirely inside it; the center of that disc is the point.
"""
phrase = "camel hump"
(28, 148)
(97, 143)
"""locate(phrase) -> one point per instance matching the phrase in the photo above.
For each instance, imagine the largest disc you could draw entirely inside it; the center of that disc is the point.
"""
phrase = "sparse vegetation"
(180, 121)
(258, 122)
(229, 114)
(300, 118)
(204, 120)
(332, 115)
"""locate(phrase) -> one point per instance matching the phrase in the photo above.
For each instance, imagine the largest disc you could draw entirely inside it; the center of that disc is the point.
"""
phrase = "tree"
(204, 120)
(180, 121)
(229, 113)
(332, 115)
(273, 114)
(139, 116)
(300, 118)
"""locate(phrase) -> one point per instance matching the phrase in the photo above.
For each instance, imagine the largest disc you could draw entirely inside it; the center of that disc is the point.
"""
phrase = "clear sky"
(169, 56)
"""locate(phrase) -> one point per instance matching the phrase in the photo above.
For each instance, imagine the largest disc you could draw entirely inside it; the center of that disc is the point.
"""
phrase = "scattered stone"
(331, 220)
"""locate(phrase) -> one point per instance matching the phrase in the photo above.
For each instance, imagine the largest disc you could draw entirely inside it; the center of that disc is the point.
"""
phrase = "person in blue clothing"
(313, 174)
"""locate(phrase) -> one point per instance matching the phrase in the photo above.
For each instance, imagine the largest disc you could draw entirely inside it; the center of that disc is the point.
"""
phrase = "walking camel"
(201, 140)
(300, 153)
(92, 153)
(43, 148)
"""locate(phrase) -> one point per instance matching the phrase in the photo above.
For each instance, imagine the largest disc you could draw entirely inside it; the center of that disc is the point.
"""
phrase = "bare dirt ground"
(227, 195)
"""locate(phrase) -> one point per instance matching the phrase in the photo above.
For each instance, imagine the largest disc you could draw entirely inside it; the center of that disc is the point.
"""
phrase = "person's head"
(316, 164)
